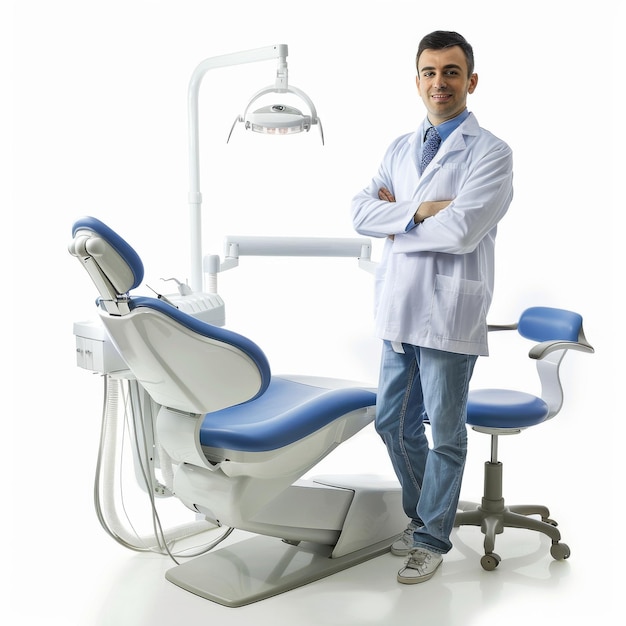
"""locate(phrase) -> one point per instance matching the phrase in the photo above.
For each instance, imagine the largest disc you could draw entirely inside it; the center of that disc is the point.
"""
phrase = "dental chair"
(241, 439)
(499, 412)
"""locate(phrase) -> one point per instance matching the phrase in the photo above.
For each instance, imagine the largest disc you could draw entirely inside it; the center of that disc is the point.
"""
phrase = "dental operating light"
(279, 119)
(276, 119)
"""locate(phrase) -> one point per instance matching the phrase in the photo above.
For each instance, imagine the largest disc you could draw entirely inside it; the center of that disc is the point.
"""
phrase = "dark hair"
(440, 39)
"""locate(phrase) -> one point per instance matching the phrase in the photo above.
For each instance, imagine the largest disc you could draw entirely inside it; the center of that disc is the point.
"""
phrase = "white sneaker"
(420, 566)
(404, 544)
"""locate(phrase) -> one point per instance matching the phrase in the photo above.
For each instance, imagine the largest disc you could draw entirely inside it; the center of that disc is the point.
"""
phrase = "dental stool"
(241, 439)
(498, 412)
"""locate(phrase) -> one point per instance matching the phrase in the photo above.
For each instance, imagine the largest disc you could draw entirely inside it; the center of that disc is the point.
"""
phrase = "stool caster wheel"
(560, 551)
(490, 561)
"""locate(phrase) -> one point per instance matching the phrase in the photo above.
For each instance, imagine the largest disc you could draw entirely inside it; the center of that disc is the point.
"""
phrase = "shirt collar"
(445, 129)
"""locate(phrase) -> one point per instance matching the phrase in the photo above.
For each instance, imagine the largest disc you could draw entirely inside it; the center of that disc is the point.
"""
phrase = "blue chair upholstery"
(286, 412)
(499, 412)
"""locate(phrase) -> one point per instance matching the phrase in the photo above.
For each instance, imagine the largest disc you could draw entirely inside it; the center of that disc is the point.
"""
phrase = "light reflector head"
(277, 119)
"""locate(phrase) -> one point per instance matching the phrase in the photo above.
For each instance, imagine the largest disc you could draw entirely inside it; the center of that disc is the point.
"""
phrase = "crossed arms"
(425, 209)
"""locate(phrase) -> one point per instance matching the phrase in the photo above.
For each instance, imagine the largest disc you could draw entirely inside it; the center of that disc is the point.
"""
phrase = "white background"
(99, 127)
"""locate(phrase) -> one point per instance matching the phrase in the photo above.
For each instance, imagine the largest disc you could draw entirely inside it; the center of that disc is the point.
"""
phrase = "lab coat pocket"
(457, 311)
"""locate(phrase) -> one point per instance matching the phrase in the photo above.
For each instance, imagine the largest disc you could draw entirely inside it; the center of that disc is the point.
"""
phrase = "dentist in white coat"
(434, 286)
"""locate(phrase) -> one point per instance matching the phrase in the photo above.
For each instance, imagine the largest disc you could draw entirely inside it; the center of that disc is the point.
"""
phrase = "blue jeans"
(426, 385)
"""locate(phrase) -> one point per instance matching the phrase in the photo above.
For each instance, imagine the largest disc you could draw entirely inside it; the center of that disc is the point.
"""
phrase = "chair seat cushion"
(504, 408)
(285, 413)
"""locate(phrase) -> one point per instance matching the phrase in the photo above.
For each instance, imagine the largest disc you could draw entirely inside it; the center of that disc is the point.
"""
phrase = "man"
(434, 286)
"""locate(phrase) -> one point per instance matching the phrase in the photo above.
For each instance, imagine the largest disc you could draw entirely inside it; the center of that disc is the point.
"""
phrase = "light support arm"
(267, 53)
(329, 247)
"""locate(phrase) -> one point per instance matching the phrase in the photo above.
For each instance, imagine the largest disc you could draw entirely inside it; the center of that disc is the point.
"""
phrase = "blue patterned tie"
(431, 145)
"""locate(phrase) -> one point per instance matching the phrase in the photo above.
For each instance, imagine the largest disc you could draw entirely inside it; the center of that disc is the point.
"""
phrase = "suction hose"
(105, 480)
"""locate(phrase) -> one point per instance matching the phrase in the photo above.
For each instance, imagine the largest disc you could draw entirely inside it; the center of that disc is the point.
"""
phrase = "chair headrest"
(112, 263)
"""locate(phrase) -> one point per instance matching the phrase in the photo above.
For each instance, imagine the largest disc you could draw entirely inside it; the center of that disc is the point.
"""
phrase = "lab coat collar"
(469, 127)
(449, 126)
(454, 143)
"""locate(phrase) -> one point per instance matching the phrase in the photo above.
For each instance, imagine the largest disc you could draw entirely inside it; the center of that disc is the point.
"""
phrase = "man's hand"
(428, 209)
(385, 194)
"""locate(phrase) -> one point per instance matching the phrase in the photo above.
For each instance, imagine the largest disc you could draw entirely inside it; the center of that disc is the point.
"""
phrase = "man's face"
(443, 84)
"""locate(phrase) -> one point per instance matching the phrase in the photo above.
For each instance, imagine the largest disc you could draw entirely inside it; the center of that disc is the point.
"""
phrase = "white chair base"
(264, 566)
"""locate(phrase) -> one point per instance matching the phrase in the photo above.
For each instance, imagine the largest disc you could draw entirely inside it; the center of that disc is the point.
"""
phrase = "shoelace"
(417, 560)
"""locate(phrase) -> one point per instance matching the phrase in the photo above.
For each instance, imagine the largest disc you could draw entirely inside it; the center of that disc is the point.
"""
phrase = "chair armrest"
(541, 350)
(495, 327)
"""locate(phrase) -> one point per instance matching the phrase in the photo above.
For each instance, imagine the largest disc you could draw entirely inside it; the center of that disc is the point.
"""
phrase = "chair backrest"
(542, 323)
(184, 363)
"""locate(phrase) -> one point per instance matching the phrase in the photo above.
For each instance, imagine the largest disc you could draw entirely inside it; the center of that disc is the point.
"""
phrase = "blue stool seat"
(285, 413)
(505, 408)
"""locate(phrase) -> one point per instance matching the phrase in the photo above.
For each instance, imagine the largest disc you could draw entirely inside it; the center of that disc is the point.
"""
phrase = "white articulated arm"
(236, 246)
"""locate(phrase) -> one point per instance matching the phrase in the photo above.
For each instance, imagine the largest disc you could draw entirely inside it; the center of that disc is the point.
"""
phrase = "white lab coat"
(434, 284)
